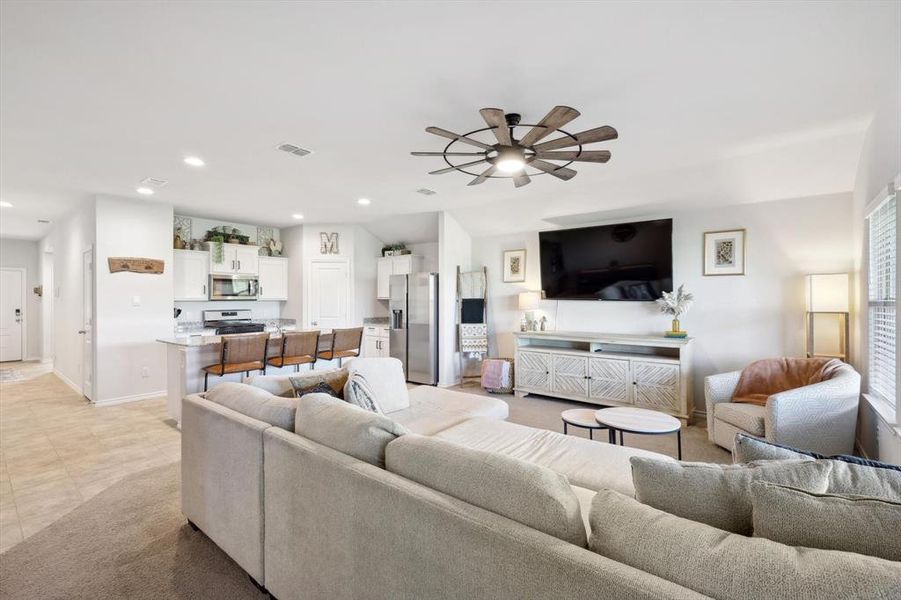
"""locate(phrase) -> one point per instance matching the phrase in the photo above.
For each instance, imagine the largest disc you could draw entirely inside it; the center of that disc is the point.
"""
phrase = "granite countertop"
(375, 321)
(197, 340)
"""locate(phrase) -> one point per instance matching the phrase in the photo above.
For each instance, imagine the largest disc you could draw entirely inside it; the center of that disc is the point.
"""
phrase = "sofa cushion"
(747, 417)
(833, 522)
(280, 385)
(725, 565)
(870, 478)
(347, 428)
(526, 493)
(386, 378)
(358, 392)
(433, 409)
(588, 464)
(718, 495)
(256, 403)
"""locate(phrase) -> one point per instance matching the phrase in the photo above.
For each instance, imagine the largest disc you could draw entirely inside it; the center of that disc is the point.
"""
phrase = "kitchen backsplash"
(193, 311)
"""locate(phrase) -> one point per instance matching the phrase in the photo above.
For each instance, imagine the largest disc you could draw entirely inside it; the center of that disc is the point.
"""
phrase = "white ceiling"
(715, 103)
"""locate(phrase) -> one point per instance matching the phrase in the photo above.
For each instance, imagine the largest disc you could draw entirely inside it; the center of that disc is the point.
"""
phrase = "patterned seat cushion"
(749, 417)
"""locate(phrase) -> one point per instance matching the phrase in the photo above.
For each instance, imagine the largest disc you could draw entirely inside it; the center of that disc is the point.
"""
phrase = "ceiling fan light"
(510, 165)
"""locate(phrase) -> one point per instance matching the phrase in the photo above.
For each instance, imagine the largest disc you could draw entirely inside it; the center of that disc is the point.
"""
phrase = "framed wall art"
(514, 266)
(724, 252)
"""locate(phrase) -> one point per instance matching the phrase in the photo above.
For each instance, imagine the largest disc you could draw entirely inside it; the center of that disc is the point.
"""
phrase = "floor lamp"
(827, 310)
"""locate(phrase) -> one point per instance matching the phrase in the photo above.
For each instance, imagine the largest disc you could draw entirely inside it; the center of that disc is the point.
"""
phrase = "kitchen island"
(186, 355)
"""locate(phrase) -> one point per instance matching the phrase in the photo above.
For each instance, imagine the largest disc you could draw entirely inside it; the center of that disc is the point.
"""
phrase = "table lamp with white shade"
(529, 302)
(828, 315)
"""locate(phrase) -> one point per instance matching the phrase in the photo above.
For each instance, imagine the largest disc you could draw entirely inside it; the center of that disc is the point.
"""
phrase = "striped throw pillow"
(359, 392)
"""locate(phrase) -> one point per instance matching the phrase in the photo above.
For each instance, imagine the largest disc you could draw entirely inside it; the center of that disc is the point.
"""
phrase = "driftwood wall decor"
(136, 265)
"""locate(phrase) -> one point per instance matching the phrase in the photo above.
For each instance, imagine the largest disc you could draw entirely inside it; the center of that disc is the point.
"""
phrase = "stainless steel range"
(231, 321)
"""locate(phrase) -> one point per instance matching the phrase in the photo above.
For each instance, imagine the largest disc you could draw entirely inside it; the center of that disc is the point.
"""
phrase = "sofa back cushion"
(386, 379)
(725, 565)
(851, 523)
(256, 403)
(346, 428)
(277, 385)
(527, 493)
(718, 495)
(849, 475)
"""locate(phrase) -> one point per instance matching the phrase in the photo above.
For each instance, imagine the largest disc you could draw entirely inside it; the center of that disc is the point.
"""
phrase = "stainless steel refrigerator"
(413, 317)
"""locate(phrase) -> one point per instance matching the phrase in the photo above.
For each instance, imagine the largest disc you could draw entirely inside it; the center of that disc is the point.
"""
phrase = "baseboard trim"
(127, 399)
(699, 415)
(67, 381)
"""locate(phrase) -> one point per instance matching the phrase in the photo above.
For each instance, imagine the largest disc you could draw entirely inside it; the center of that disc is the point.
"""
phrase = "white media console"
(645, 371)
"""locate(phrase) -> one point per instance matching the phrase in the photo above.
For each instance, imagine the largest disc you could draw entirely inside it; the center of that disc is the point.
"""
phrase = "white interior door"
(329, 294)
(87, 330)
(12, 314)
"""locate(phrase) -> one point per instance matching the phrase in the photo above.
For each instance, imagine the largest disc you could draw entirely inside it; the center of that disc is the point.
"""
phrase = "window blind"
(882, 287)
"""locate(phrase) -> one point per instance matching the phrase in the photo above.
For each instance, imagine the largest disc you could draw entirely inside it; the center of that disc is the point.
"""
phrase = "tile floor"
(57, 450)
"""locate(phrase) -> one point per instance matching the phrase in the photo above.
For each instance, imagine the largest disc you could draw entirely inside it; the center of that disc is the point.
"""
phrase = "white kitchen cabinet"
(237, 259)
(376, 342)
(190, 271)
(273, 278)
(394, 265)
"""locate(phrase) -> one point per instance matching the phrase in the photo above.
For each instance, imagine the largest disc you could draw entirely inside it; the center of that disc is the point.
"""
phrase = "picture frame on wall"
(725, 252)
(514, 266)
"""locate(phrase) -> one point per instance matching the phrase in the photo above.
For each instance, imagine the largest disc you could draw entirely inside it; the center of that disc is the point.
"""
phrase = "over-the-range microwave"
(234, 287)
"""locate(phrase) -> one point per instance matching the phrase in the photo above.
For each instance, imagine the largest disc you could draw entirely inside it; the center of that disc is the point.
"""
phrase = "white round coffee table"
(639, 420)
(581, 417)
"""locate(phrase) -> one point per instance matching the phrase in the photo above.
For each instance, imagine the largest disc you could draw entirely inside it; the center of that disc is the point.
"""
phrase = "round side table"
(639, 420)
(581, 417)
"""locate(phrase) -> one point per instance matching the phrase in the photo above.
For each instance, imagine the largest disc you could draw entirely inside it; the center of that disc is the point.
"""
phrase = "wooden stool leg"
(591, 434)
(565, 431)
(297, 368)
(206, 379)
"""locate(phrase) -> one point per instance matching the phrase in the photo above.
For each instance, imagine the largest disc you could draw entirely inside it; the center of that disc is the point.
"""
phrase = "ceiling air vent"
(292, 149)
(44, 221)
(426, 192)
(153, 182)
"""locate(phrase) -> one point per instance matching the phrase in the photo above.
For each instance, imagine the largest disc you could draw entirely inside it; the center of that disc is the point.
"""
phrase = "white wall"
(454, 249)
(734, 319)
(292, 240)
(25, 254)
(48, 341)
(367, 250)
(429, 253)
(132, 309)
(70, 238)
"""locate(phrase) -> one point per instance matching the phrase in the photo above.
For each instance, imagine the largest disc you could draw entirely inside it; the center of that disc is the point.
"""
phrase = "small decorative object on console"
(675, 304)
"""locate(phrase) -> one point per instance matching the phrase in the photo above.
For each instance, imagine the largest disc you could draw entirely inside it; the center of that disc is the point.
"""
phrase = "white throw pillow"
(385, 377)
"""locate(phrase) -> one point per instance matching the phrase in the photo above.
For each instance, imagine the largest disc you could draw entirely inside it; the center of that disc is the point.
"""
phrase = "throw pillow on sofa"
(849, 475)
(728, 566)
(718, 495)
(346, 428)
(358, 392)
(312, 382)
(850, 523)
(255, 403)
(524, 492)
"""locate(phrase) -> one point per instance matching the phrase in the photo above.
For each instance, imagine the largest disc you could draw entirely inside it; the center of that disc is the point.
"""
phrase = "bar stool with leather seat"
(297, 348)
(345, 343)
(240, 353)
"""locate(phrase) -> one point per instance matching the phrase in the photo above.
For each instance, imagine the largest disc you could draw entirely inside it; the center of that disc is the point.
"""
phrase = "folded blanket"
(763, 378)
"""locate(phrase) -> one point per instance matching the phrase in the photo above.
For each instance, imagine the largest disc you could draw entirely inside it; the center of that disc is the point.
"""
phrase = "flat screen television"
(626, 261)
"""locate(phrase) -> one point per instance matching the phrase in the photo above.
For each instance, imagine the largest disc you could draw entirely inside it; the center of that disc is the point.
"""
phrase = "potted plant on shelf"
(675, 304)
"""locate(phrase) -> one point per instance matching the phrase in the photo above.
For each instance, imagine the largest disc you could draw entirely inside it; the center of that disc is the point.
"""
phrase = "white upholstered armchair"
(819, 418)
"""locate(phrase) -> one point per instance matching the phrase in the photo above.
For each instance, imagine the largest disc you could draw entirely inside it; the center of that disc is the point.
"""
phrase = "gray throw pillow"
(311, 382)
(256, 403)
(718, 495)
(851, 523)
(346, 428)
(845, 478)
(358, 392)
(524, 492)
(724, 565)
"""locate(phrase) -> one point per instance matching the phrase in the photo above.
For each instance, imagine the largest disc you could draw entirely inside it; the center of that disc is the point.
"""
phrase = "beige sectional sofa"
(319, 499)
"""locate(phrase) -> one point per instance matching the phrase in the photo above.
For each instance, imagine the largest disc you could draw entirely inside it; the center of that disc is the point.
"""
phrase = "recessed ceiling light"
(364, 201)
(297, 216)
(5, 204)
(194, 161)
(144, 190)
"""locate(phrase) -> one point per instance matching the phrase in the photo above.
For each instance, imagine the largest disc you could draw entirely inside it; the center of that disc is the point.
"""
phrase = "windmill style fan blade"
(521, 179)
(558, 117)
(485, 175)
(453, 136)
(598, 134)
(559, 172)
(600, 156)
(455, 167)
(448, 153)
(495, 118)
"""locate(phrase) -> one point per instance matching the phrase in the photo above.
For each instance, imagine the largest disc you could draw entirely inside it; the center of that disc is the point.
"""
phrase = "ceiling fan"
(511, 157)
